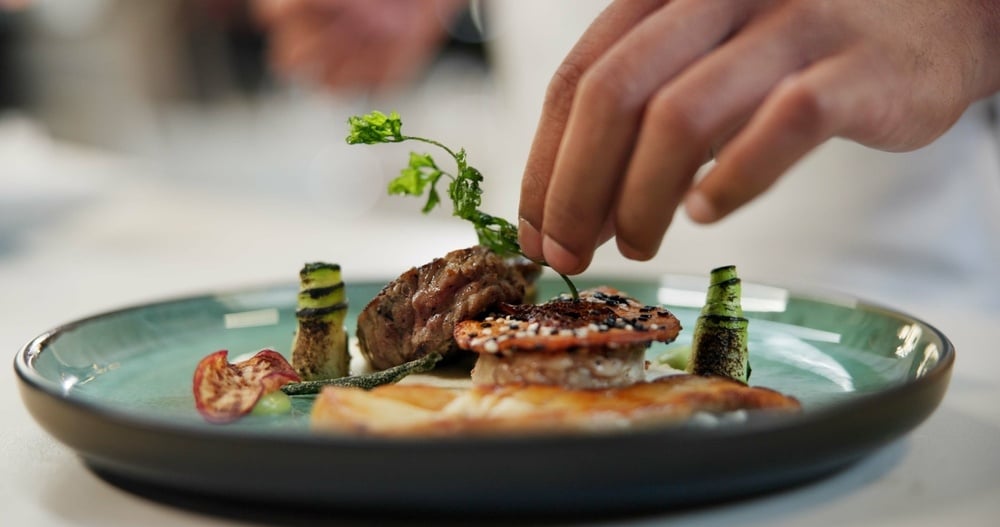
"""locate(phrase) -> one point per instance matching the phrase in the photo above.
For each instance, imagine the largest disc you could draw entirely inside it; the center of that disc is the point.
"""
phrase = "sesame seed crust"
(603, 317)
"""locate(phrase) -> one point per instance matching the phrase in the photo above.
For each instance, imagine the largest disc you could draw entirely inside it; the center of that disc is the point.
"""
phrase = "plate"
(117, 389)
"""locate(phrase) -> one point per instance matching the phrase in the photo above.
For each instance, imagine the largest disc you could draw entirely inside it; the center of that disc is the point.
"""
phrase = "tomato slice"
(224, 391)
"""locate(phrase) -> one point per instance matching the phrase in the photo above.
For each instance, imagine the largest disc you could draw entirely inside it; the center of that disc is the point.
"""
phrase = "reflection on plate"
(117, 389)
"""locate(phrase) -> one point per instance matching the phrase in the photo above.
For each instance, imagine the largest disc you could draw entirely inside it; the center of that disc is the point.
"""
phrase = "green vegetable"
(367, 381)
(319, 349)
(719, 342)
(274, 403)
(423, 174)
(677, 357)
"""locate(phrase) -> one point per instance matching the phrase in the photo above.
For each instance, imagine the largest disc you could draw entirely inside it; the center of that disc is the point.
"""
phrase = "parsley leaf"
(413, 180)
(376, 127)
(422, 175)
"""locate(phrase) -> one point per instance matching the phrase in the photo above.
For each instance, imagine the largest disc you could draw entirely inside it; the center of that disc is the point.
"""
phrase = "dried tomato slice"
(224, 391)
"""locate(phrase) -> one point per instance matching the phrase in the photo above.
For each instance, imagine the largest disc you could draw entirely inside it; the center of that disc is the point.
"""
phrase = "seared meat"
(416, 313)
(596, 342)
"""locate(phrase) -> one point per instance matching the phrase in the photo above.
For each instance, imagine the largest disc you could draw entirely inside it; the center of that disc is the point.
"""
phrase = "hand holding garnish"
(422, 175)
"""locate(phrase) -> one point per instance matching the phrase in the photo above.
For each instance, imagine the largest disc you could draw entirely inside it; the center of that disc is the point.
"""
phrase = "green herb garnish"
(366, 381)
(422, 175)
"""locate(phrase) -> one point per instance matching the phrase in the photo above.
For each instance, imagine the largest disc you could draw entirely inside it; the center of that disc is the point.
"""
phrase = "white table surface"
(98, 237)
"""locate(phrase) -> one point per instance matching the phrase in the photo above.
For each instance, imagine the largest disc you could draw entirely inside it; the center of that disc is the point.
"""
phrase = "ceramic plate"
(117, 389)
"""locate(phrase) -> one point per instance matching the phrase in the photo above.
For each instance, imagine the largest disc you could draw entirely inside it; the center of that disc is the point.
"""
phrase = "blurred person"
(706, 103)
(357, 46)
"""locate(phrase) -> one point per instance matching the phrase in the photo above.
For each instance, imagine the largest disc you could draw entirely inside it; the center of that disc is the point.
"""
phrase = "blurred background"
(152, 138)
(147, 149)
(184, 88)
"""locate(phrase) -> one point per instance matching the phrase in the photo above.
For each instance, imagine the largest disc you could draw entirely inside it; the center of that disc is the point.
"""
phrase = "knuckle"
(533, 184)
(810, 14)
(607, 86)
(563, 84)
(801, 105)
(602, 83)
(673, 118)
(532, 201)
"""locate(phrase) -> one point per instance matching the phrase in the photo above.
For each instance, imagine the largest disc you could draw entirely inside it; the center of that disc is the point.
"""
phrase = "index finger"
(606, 29)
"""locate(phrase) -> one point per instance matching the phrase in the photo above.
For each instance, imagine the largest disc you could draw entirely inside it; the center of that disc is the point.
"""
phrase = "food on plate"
(366, 381)
(576, 362)
(416, 314)
(597, 341)
(224, 391)
(719, 340)
(262, 385)
(319, 348)
(273, 403)
(420, 410)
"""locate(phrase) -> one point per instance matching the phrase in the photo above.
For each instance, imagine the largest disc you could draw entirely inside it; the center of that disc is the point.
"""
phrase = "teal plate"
(117, 389)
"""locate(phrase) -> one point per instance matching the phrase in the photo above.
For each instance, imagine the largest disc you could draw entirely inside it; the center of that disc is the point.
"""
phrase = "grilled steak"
(416, 313)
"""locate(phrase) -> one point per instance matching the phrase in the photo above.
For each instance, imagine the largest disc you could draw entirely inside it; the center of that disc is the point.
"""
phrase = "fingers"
(628, 119)
(804, 111)
(601, 127)
(605, 30)
(687, 118)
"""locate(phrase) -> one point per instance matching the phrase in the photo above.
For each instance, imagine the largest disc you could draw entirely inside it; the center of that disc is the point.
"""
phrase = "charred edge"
(722, 318)
(719, 364)
(316, 266)
(721, 269)
(316, 312)
(726, 283)
(320, 292)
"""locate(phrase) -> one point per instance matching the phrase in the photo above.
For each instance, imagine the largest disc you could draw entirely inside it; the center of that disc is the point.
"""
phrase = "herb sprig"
(422, 175)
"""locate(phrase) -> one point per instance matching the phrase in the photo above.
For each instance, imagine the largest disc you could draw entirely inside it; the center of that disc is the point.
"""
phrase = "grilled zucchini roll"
(319, 349)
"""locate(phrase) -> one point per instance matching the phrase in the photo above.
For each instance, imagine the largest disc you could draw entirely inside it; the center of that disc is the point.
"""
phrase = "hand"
(355, 44)
(654, 88)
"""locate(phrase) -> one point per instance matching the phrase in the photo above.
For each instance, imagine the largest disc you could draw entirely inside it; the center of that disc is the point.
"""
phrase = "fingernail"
(530, 239)
(558, 257)
(699, 209)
